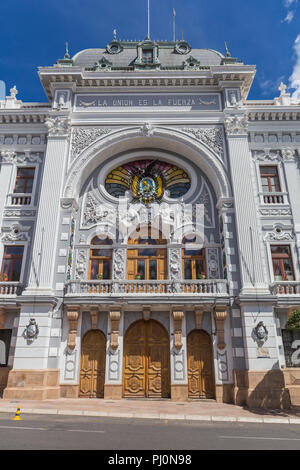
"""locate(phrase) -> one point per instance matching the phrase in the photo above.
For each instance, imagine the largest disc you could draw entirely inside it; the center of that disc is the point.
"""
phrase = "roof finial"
(67, 55)
(174, 25)
(181, 35)
(115, 34)
(148, 35)
(227, 51)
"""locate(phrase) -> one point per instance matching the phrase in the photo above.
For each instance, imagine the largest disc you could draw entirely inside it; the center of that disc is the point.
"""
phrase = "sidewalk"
(207, 410)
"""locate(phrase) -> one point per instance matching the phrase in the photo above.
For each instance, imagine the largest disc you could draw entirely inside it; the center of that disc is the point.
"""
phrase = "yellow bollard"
(17, 415)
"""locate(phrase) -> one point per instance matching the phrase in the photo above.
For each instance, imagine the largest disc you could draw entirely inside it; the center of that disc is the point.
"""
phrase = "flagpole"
(174, 25)
(148, 19)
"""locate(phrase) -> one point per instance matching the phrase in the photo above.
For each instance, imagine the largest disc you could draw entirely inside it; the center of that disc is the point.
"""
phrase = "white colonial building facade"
(150, 231)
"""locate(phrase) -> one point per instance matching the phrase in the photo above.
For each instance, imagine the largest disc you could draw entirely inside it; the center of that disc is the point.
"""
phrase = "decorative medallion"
(148, 180)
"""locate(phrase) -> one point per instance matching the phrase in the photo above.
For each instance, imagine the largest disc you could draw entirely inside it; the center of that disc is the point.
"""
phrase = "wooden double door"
(200, 365)
(92, 367)
(146, 366)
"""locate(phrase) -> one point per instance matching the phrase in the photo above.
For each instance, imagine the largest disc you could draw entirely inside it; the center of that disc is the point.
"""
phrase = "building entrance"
(146, 370)
(200, 365)
(92, 368)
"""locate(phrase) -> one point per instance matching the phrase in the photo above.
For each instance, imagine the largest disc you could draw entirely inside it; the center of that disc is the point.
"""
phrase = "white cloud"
(295, 77)
(289, 17)
(288, 3)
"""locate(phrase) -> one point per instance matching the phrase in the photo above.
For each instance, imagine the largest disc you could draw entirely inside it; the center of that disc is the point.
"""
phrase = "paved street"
(39, 432)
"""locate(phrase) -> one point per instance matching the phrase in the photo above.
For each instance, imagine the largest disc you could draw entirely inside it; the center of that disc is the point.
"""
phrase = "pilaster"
(41, 275)
(114, 355)
(251, 261)
(178, 350)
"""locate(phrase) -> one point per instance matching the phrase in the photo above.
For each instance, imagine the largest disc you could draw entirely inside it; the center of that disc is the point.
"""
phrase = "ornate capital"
(178, 317)
(220, 317)
(72, 316)
(288, 155)
(94, 317)
(115, 317)
(58, 126)
(236, 124)
(198, 315)
(2, 317)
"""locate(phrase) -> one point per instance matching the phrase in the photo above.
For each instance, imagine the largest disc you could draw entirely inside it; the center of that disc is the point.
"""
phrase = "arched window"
(193, 258)
(100, 259)
(147, 257)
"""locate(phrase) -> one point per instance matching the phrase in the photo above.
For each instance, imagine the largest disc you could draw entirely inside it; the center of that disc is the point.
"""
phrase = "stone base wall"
(32, 385)
(261, 389)
(292, 383)
(69, 391)
(179, 392)
(113, 392)
(224, 393)
(4, 371)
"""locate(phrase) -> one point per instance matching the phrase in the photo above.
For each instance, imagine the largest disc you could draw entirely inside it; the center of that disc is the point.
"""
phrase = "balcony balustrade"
(8, 288)
(211, 287)
(273, 198)
(286, 288)
(19, 199)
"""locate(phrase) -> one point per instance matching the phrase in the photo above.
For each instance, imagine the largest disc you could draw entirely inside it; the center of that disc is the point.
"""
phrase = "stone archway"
(92, 366)
(201, 381)
(146, 363)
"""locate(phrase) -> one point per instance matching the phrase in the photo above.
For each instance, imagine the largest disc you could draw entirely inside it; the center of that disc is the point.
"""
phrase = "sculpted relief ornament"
(58, 126)
(236, 124)
(83, 137)
(211, 136)
(14, 157)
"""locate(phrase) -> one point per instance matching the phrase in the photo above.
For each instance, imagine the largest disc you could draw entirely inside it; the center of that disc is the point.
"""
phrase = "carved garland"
(2, 317)
(115, 317)
(72, 316)
(178, 317)
(220, 317)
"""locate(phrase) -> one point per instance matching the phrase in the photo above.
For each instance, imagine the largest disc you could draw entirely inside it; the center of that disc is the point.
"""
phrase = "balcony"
(19, 199)
(287, 288)
(273, 198)
(10, 289)
(210, 287)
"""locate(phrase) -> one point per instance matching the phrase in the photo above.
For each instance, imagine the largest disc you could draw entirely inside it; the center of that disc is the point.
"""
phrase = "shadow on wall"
(264, 390)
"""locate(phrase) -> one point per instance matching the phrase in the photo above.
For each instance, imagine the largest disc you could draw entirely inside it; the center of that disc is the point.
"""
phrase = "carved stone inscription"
(194, 101)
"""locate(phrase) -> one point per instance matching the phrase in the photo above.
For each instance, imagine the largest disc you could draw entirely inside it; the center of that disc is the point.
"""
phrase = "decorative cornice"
(14, 157)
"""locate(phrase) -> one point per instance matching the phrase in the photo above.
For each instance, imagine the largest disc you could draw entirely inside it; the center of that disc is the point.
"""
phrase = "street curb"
(160, 416)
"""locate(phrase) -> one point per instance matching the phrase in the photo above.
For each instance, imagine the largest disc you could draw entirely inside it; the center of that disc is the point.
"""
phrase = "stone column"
(41, 276)
(2, 317)
(251, 255)
(179, 380)
(114, 355)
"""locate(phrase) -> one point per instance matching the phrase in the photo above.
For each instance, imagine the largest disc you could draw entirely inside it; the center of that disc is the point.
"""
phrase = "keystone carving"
(2, 318)
(72, 316)
(198, 315)
(178, 317)
(220, 317)
(94, 317)
(115, 317)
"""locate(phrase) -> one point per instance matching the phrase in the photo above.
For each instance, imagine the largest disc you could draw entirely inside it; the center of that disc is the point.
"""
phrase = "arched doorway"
(200, 365)
(146, 368)
(92, 367)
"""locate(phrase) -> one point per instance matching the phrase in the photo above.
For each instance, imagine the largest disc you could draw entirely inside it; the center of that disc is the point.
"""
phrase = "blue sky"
(265, 33)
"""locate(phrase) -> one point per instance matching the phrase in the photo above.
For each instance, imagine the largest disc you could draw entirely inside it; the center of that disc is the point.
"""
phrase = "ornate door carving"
(146, 370)
(92, 368)
(200, 365)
